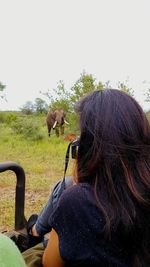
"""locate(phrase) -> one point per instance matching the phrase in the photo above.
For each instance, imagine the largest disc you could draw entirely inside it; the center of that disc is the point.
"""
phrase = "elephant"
(55, 120)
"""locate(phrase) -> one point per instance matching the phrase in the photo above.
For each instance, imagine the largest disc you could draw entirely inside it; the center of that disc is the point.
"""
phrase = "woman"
(104, 219)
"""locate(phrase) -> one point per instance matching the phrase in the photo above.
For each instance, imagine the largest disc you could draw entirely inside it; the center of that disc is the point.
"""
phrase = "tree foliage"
(27, 108)
(125, 88)
(65, 98)
(2, 88)
(147, 94)
(59, 97)
(40, 106)
(85, 84)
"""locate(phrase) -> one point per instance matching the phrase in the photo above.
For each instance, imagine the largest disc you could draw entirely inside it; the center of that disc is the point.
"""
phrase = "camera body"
(74, 148)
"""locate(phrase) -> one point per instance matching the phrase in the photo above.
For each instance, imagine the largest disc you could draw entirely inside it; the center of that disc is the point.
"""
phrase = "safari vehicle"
(19, 233)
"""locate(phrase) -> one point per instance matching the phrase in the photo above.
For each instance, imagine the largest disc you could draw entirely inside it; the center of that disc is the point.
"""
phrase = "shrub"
(28, 127)
(8, 117)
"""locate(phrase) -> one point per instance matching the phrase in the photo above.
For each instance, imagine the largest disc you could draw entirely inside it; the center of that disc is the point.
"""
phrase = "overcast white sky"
(44, 41)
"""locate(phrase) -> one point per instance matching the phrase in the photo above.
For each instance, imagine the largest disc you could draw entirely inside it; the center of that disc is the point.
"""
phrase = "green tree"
(27, 108)
(2, 88)
(40, 105)
(125, 88)
(103, 86)
(85, 84)
(63, 98)
(147, 94)
(59, 97)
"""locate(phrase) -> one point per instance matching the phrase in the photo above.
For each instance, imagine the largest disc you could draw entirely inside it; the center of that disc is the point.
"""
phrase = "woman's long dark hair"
(114, 157)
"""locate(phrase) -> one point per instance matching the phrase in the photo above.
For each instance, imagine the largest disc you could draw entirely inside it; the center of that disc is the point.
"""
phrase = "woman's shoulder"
(79, 187)
(77, 191)
(75, 195)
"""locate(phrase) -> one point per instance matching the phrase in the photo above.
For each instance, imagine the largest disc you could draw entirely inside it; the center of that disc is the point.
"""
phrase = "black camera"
(74, 148)
(74, 151)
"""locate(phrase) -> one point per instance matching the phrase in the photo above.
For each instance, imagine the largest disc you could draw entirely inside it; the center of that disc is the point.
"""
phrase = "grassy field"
(43, 162)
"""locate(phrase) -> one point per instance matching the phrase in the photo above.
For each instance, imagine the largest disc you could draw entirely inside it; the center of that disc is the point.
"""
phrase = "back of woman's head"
(113, 126)
(114, 156)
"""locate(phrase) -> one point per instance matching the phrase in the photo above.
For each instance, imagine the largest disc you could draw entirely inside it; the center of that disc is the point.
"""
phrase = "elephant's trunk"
(54, 125)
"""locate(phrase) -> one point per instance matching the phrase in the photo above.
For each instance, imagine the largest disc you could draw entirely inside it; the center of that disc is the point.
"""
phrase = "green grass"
(43, 162)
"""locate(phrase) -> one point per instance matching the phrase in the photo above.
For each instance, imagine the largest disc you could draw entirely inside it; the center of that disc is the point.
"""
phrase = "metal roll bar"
(20, 220)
